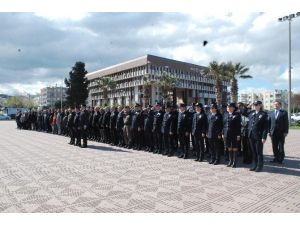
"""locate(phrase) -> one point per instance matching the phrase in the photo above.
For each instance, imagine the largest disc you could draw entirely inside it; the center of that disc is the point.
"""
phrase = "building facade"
(267, 97)
(192, 85)
(50, 95)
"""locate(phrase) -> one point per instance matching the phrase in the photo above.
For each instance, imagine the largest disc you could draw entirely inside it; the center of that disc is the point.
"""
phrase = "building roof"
(141, 61)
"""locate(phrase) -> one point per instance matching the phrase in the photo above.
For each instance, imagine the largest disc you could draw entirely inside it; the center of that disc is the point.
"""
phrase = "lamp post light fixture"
(283, 19)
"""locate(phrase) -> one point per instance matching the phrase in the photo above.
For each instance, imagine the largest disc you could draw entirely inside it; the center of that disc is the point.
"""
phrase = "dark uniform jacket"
(113, 119)
(184, 122)
(232, 125)
(157, 121)
(95, 119)
(106, 119)
(258, 125)
(148, 121)
(174, 123)
(166, 123)
(77, 120)
(137, 120)
(281, 124)
(70, 122)
(84, 118)
(120, 121)
(215, 125)
(199, 124)
(100, 120)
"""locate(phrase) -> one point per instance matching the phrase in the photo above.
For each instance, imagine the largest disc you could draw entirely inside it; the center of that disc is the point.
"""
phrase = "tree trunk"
(234, 90)
(219, 91)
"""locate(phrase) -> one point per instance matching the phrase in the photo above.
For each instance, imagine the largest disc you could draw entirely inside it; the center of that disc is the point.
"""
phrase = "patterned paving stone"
(40, 172)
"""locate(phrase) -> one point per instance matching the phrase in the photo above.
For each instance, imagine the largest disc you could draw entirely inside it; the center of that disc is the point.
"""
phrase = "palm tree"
(219, 73)
(104, 84)
(166, 83)
(236, 71)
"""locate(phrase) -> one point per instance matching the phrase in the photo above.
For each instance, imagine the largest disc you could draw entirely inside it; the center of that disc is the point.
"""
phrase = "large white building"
(192, 85)
(267, 97)
(50, 95)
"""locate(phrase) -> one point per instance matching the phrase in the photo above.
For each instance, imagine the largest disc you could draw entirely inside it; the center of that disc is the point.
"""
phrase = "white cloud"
(61, 15)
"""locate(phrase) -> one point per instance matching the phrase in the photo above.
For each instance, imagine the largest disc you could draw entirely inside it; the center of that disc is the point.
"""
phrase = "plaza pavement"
(40, 172)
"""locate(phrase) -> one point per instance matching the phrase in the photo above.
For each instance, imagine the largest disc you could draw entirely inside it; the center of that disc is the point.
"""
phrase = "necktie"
(276, 114)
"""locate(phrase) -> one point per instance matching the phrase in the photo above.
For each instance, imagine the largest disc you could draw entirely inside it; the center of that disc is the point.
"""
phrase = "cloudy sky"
(39, 49)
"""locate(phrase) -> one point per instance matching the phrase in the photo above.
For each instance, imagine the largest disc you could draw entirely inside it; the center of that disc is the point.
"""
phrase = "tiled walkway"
(41, 173)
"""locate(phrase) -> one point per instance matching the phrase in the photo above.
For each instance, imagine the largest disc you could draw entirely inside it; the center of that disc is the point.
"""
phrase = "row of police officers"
(167, 131)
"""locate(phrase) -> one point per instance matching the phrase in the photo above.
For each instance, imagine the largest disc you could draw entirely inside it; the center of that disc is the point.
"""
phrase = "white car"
(295, 116)
(4, 117)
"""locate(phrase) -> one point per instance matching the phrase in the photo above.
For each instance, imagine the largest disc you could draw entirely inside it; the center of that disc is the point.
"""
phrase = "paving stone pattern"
(40, 172)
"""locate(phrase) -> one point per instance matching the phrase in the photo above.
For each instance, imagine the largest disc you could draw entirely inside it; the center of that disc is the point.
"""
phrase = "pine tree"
(77, 85)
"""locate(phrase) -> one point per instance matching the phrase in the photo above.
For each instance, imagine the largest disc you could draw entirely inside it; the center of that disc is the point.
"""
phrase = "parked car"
(5, 117)
(296, 117)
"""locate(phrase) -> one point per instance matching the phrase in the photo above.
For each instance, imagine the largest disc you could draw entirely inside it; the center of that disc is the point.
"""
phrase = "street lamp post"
(282, 19)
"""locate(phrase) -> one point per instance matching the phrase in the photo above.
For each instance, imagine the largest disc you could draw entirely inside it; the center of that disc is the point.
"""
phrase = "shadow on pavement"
(104, 148)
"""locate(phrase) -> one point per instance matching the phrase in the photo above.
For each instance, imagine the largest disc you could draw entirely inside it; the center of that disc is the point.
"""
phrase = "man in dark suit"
(137, 128)
(84, 124)
(70, 125)
(258, 131)
(77, 126)
(165, 129)
(148, 126)
(112, 125)
(156, 130)
(278, 130)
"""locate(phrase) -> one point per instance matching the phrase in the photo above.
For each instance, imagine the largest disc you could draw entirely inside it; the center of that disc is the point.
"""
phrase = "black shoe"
(83, 146)
(211, 162)
(197, 160)
(170, 155)
(181, 156)
(216, 162)
(229, 164)
(185, 157)
(253, 168)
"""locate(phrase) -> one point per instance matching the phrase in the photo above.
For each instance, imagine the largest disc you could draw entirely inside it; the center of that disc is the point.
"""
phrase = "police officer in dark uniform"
(95, 128)
(232, 133)
(148, 126)
(100, 125)
(90, 131)
(173, 132)
(84, 125)
(137, 127)
(258, 131)
(156, 131)
(184, 130)
(112, 126)
(214, 133)
(119, 127)
(199, 129)
(245, 147)
(70, 125)
(77, 127)
(166, 128)
(105, 124)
